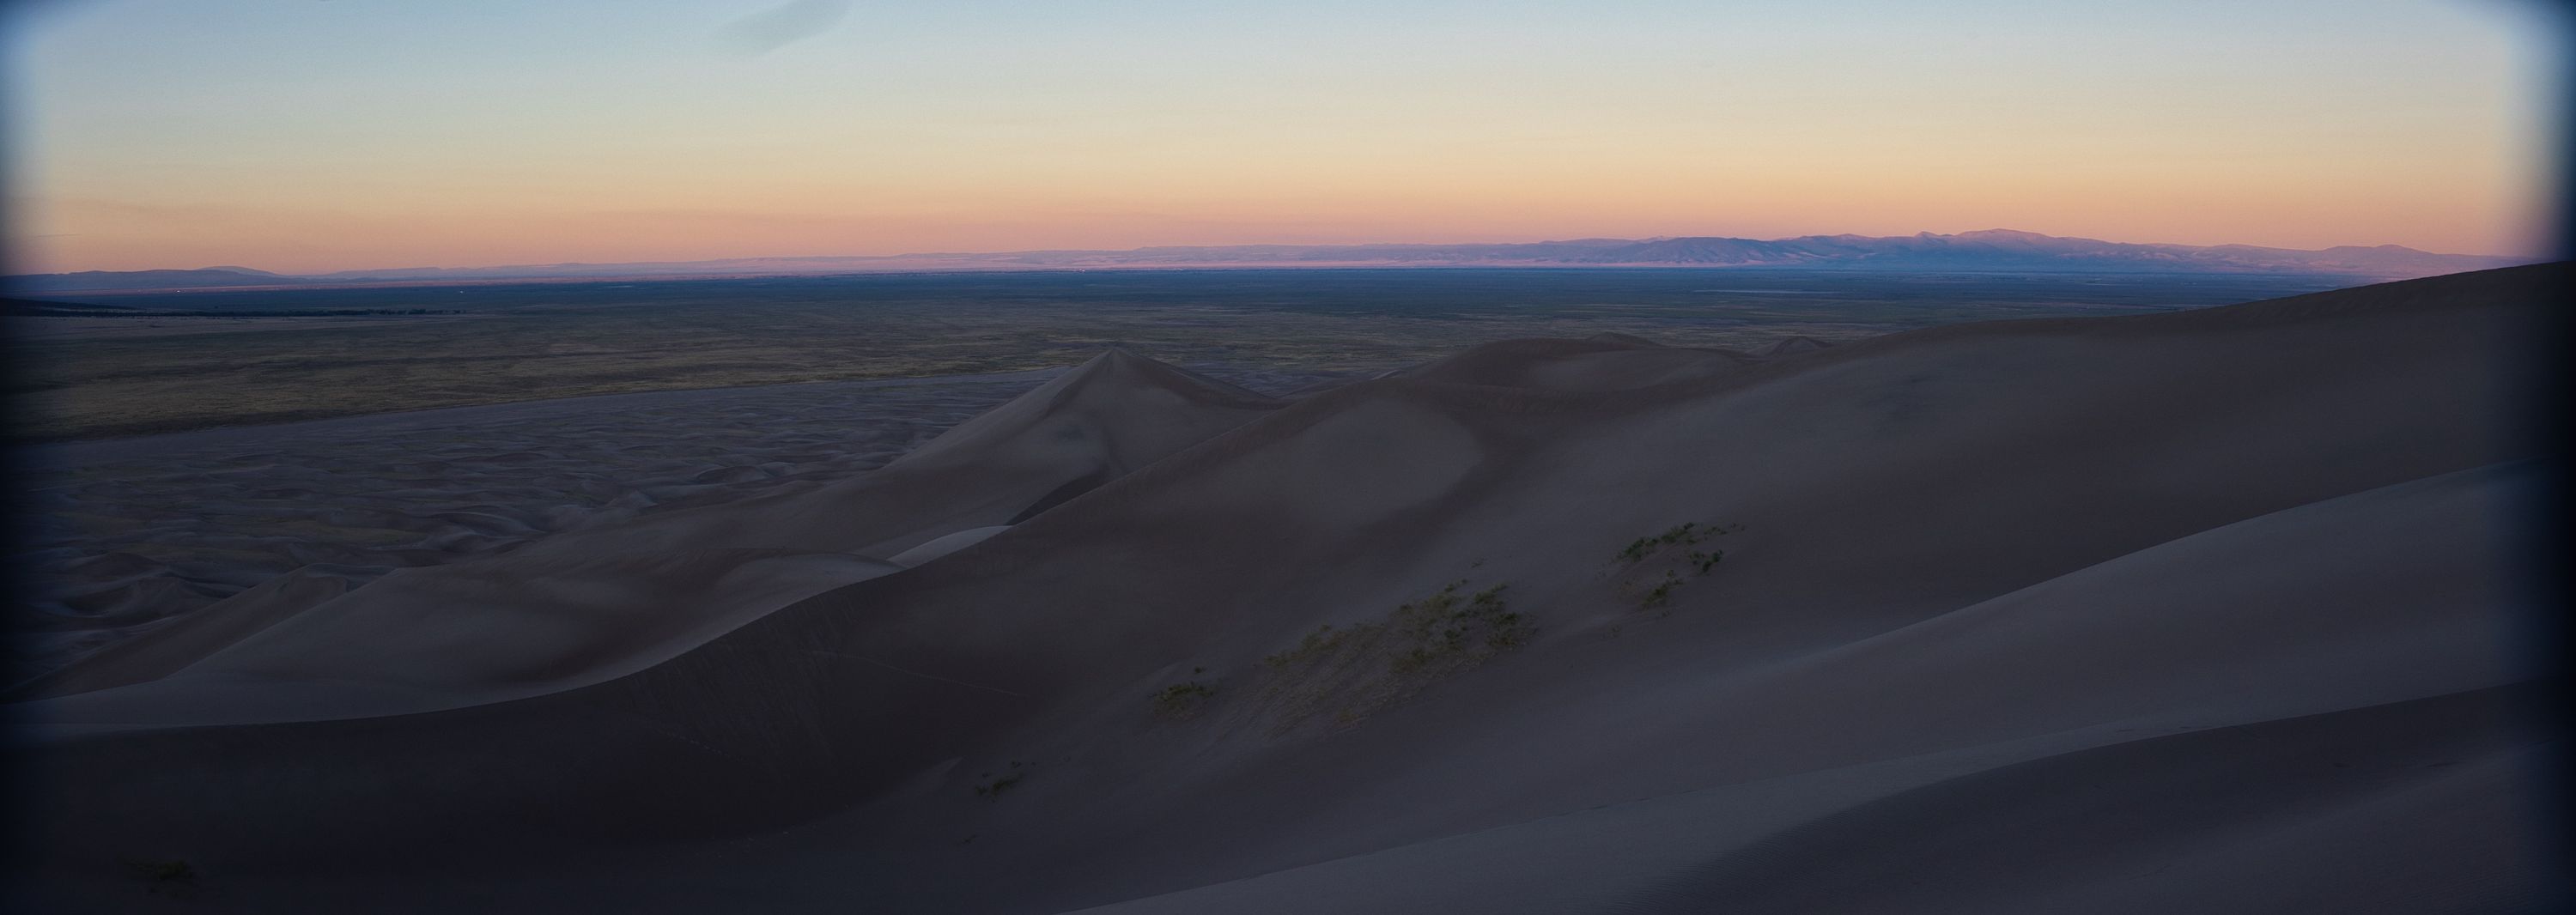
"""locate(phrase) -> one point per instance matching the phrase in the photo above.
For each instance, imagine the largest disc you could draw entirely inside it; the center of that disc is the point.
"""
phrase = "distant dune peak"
(1131, 367)
(1124, 404)
(1628, 340)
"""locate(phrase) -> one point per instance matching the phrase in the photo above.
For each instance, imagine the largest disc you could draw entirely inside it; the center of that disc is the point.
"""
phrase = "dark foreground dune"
(2211, 611)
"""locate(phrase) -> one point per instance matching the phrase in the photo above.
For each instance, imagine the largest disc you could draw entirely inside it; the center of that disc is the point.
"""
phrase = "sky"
(317, 135)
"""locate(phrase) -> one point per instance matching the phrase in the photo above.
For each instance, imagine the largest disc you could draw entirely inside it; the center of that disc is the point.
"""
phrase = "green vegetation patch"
(1353, 672)
(1684, 534)
(1662, 592)
(1666, 553)
(992, 785)
(1182, 700)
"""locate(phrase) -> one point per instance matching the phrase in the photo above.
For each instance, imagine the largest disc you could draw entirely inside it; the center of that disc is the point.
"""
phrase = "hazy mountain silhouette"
(95, 280)
(1988, 251)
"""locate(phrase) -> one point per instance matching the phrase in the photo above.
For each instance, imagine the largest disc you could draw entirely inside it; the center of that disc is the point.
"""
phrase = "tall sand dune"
(2203, 611)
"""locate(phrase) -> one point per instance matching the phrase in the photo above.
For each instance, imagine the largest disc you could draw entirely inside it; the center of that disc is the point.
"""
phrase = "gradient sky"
(312, 135)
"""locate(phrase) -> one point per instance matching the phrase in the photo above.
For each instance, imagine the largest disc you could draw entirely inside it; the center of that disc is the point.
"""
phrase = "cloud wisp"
(780, 26)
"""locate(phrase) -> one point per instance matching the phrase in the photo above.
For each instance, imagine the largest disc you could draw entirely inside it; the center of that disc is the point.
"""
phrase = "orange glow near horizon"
(563, 146)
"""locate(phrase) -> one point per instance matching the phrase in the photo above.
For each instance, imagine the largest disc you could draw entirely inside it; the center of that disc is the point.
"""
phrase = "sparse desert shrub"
(166, 876)
(1663, 592)
(1687, 533)
(1355, 671)
(1411, 660)
(994, 788)
(1315, 644)
(1182, 700)
(1445, 625)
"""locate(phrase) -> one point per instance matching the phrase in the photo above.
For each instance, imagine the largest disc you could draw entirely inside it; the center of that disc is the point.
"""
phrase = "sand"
(148, 529)
(2205, 611)
(142, 532)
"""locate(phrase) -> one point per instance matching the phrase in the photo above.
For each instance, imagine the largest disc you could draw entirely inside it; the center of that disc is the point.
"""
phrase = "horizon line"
(235, 267)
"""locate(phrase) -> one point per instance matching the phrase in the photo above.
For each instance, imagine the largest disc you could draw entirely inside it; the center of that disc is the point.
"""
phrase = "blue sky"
(328, 134)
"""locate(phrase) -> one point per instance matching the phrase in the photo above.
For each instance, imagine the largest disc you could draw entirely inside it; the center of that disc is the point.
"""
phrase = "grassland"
(506, 342)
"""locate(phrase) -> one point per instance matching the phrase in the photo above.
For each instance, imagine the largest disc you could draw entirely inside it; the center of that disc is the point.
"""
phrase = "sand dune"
(1116, 413)
(363, 496)
(2206, 611)
(2183, 689)
(165, 650)
(1605, 362)
(605, 600)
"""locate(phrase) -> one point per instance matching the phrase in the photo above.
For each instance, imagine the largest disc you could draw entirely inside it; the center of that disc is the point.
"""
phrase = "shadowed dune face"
(1553, 625)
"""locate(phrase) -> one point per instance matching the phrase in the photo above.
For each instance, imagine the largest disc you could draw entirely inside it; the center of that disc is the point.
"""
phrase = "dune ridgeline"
(2201, 611)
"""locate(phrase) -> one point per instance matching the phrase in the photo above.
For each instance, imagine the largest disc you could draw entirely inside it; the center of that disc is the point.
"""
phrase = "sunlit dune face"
(315, 137)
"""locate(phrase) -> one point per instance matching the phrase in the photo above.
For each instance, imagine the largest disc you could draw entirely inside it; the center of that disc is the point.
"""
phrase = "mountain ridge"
(1983, 250)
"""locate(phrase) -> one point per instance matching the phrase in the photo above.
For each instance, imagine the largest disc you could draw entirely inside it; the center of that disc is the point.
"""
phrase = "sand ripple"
(135, 531)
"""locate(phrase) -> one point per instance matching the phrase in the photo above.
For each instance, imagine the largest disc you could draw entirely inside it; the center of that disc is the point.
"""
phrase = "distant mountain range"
(100, 280)
(1990, 251)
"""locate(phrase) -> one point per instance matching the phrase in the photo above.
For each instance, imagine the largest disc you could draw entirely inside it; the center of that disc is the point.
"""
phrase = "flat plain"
(221, 358)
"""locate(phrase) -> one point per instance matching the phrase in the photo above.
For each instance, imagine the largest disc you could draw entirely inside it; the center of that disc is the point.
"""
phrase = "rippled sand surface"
(135, 531)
